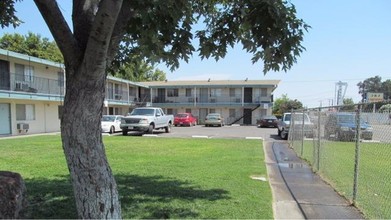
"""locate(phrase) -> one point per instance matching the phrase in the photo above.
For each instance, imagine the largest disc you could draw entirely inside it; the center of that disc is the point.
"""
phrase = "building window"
(188, 110)
(263, 92)
(232, 92)
(188, 92)
(132, 91)
(24, 73)
(212, 110)
(215, 92)
(171, 111)
(60, 79)
(172, 92)
(25, 112)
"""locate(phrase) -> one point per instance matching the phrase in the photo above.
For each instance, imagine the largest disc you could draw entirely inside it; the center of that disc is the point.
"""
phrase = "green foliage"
(174, 178)
(161, 31)
(139, 72)
(375, 84)
(7, 13)
(284, 104)
(385, 108)
(348, 105)
(32, 45)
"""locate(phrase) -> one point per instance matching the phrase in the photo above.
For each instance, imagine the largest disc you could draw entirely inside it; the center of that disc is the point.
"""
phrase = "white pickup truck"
(146, 119)
(284, 125)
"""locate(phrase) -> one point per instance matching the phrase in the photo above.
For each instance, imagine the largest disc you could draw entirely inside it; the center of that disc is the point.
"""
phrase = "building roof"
(9, 53)
(208, 83)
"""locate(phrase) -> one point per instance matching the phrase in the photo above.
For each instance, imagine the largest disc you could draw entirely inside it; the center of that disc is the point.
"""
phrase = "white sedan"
(111, 123)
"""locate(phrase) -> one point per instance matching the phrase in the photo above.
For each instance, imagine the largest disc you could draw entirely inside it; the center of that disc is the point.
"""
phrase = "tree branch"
(60, 30)
(119, 30)
(101, 32)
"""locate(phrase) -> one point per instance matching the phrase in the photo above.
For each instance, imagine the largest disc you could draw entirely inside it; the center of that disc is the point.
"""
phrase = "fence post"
(357, 153)
(319, 140)
(302, 136)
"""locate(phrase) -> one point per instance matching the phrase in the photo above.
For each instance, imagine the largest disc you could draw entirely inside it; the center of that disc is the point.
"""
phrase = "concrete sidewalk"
(298, 193)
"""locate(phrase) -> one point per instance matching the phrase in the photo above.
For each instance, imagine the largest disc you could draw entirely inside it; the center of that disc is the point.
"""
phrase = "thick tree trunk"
(94, 185)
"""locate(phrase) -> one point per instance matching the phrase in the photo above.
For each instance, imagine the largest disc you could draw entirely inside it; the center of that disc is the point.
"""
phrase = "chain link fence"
(350, 148)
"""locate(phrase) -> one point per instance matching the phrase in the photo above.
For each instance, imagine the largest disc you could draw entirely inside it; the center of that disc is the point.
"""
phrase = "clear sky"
(350, 41)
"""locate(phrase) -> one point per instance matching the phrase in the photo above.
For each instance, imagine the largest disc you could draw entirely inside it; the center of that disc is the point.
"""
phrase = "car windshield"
(181, 115)
(213, 116)
(346, 118)
(108, 118)
(142, 111)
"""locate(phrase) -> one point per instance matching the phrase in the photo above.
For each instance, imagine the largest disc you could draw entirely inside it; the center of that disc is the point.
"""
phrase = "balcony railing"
(32, 84)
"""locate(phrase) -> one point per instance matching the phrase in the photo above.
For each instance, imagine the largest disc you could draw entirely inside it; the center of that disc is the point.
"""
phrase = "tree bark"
(95, 189)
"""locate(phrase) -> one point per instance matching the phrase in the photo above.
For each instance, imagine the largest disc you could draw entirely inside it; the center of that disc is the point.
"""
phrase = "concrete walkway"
(298, 193)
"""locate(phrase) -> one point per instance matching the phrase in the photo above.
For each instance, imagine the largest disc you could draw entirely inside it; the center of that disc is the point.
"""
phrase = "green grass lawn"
(157, 177)
(336, 165)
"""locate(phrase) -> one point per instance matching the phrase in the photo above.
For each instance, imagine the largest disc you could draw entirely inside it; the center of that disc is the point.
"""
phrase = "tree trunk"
(93, 183)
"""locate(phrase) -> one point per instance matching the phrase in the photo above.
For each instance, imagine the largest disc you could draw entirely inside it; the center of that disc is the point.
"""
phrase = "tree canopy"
(32, 45)
(375, 85)
(285, 104)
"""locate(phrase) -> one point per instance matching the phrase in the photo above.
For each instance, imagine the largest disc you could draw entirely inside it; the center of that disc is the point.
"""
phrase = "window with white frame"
(172, 92)
(215, 92)
(212, 110)
(24, 73)
(232, 92)
(60, 79)
(25, 112)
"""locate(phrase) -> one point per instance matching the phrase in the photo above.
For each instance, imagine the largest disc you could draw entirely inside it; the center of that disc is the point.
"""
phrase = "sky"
(349, 41)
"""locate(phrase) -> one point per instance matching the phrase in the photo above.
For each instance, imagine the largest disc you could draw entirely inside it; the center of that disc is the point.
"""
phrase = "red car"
(185, 119)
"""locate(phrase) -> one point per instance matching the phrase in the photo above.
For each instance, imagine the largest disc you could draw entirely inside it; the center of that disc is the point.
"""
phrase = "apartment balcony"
(31, 87)
(202, 101)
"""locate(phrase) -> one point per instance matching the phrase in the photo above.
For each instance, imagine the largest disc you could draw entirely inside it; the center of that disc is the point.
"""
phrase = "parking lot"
(200, 131)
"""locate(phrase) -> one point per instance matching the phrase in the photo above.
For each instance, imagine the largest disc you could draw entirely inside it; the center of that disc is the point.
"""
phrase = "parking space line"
(254, 138)
(199, 136)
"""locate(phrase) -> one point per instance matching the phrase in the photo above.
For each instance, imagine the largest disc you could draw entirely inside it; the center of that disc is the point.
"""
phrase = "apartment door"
(203, 95)
(248, 95)
(202, 115)
(247, 116)
(4, 75)
(161, 95)
(5, 128)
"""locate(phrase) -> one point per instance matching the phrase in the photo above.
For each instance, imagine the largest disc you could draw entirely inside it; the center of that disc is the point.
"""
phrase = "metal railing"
(32, 84)
(350, 148)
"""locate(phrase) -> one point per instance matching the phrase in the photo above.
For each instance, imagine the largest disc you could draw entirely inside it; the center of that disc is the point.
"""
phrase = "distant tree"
(348, 104)
(139, 72)
(32, 45)
(284, 104)
(385, 108)
(386, 89)
(372, 84)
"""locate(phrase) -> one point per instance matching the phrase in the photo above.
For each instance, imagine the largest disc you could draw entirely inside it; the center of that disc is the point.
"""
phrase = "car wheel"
(124, 132)
(112, 130)
(279, 132)
(150, 129)
(283, 135)
(168, 128)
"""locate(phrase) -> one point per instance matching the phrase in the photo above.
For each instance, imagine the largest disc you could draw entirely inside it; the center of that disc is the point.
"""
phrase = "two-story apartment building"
(239, 101)
(32, 92)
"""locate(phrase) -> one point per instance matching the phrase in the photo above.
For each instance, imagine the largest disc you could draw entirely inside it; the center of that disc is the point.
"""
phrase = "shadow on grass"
(150, 197)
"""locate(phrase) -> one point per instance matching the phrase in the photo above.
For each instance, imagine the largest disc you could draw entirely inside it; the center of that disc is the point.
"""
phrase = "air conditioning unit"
(21, 86)
(22, 126)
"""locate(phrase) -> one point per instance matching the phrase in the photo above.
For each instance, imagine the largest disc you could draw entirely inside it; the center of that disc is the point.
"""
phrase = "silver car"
(213, 119)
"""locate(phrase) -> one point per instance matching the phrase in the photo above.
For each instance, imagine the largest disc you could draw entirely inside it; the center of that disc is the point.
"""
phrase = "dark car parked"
(269, 121)
(341, 126)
